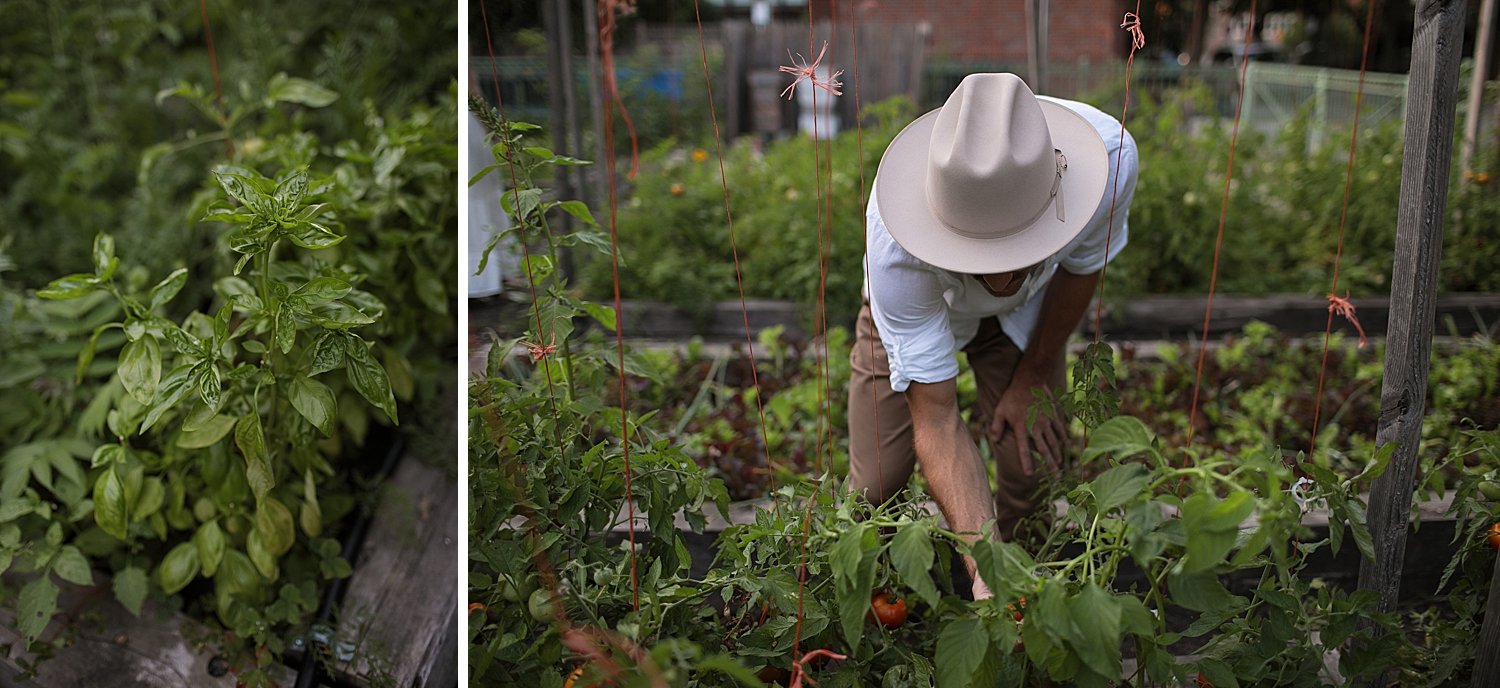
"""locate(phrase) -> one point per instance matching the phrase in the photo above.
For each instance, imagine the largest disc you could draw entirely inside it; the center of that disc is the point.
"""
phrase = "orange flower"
(678, 189)
(699, 155)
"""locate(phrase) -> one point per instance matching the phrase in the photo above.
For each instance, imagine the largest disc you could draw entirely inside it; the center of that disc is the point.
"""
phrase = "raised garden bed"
(396, 622)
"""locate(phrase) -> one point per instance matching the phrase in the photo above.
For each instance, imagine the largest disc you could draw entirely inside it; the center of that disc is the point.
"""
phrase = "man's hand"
(1045, 435)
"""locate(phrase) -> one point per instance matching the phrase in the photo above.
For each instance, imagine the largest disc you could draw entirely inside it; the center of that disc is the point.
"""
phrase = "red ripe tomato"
(1015, 609)
(1203, 682)
(888, 610)
(1494, 536)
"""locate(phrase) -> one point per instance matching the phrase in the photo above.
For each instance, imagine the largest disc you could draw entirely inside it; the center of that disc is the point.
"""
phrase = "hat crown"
(991, 163)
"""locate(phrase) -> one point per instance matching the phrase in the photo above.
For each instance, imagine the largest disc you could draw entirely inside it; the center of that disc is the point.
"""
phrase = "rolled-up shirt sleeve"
(906, 301)
(1102, 239)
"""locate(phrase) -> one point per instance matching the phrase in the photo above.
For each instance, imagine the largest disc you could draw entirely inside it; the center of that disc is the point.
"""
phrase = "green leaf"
(210, 388)
(1120, 437)
(140, 368)
(315, 401)
(1200, 592)
(241, 188)
(578, 210)
(86, 356)
(172, 390)
(310, 516)
(291, 188)
(1096, 615)
(1003, 565)
(208, 434)
(1211, 526)
(853, 560)
(911, 552)
(284, 328)
(71, 566)
(314, 237)
(110, 505)
(1377, 465)
(338, 315)
(322, 290)
(521, 202)
(285, 89)
(70, 287)
(179, 568)
(1119, 485)
(209, 539)
(167, 288)
(37, 603)
(368, 377)
(604, 314)
(960, 648)
(130, 588)
(235, 583)
(260, 556)
(104, 256)
(274, 522)
(328, 353)
(249, 437)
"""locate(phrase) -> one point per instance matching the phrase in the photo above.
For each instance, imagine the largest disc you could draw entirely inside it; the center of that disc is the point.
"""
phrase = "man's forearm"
(1063, 306)
(949, 458)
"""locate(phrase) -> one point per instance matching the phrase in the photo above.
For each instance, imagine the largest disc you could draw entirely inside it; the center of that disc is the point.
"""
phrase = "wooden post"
(596, 97)
(1036, 44)
(1431, 109)
(560, 97)
(1487, 658)
(1483, 44)
(733, 80)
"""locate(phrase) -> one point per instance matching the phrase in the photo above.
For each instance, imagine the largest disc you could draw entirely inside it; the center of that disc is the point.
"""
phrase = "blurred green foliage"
(1280, 227)
(79, 109)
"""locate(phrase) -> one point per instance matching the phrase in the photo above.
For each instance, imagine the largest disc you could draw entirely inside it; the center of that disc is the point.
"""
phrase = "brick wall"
(995, 30)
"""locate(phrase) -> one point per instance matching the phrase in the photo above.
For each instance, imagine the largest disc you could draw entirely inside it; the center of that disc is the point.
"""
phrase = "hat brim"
(901, 197)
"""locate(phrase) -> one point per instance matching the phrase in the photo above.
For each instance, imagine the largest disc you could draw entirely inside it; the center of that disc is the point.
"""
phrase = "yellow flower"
(699, 155)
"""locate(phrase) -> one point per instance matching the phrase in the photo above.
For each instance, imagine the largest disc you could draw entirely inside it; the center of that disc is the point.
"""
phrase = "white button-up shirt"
(925, 314)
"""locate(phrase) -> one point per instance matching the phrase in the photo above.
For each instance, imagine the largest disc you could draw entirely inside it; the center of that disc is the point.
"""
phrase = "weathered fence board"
(401, 609)
(1431, 110)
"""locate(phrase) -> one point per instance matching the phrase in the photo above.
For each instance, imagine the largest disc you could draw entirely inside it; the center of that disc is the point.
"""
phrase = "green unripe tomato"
(540, 605)
(1490, 490)
(514, 590)
(603, 577)
(897, 677)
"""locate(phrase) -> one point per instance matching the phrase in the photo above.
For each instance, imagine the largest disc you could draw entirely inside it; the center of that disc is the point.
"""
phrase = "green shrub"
(674, 238)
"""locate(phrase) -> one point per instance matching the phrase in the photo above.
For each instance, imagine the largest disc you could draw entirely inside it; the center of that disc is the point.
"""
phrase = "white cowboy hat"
(996, 180)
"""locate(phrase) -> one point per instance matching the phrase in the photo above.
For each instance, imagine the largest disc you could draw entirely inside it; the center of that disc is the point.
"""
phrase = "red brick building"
(995, 30)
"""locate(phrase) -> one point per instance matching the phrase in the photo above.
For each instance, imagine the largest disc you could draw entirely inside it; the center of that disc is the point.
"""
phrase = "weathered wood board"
(401, 608)
(110, 647)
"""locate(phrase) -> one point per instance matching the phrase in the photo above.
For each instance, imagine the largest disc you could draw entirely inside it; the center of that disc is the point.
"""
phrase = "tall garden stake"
(1431, 109)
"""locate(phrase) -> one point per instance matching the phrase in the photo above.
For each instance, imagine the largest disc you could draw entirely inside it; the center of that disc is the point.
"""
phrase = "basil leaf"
(167, 288)
(110, 510)
(251, 440)
(210, 543)
(369, 378)
(315, 402)
(274, 522)
(140, 368)
(179, 568)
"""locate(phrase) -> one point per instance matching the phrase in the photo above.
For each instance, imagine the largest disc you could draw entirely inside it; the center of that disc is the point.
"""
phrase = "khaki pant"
(881, 451)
